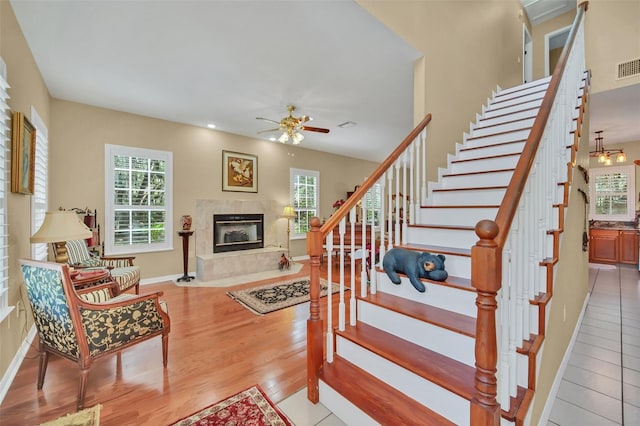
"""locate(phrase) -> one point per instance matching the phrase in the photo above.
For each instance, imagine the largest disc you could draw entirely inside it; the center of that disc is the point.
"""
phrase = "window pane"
(139, 190)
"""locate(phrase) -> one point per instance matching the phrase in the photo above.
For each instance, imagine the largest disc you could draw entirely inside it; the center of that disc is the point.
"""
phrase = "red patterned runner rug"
(249, 407)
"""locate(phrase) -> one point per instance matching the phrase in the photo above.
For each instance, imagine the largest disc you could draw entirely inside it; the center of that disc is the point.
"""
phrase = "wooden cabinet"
(613, 246)
(628, 246)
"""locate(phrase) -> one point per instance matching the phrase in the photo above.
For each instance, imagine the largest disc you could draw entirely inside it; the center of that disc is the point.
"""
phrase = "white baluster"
(341, 305)
(397, 206)
(352, 264)
(390, 225)
(363, 247)
(329, 245)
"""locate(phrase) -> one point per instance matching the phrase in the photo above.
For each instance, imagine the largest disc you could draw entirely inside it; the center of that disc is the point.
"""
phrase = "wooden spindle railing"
(315, 240)
(487, 254)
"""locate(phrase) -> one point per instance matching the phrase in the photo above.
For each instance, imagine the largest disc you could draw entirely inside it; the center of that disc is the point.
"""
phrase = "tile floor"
(601, 385)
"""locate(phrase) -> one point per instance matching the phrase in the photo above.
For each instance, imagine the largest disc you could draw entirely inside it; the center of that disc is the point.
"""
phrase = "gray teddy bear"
(414, 265)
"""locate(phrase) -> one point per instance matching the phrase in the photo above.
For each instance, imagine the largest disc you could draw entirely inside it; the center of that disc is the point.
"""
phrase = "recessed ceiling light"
(211, 126)
(347, 124)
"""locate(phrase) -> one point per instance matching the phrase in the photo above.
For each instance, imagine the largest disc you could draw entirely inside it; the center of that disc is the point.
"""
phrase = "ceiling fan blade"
(268, 119)
(270, 130)
(315, 129)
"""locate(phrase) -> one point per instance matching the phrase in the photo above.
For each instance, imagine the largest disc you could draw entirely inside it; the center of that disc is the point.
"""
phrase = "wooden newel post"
(486, 276)
(314, 323)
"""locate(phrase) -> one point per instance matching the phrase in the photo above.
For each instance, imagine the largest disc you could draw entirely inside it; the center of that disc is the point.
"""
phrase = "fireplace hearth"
(233, 232)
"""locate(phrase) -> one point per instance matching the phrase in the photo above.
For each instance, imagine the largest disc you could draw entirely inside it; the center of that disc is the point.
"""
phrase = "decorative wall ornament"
(239, 172)
(23, 154)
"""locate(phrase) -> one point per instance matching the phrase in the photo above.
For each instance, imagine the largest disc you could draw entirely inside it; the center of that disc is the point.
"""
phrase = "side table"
(185, 255)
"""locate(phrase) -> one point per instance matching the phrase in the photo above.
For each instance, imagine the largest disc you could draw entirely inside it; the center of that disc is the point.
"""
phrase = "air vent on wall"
(628, 68)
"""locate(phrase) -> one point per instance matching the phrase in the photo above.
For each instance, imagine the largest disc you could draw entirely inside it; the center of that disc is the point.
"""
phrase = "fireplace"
(232, 232)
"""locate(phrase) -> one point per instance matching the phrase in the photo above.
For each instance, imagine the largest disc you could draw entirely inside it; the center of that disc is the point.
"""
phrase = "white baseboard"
(11, 372)
(553, 392)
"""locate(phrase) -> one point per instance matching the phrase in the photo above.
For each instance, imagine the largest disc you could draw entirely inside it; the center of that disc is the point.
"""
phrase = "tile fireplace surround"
(210, 266)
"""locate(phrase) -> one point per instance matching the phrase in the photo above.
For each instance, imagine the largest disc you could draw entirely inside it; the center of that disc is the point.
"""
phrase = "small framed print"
(23, 154)
(239, 172)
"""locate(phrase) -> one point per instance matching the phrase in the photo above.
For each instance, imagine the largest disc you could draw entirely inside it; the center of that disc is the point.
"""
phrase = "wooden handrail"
(373, 178)
(507, 210)
(486, 254)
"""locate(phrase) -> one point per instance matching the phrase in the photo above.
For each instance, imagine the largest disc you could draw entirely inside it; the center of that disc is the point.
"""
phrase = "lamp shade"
(288, 212)
(61, 226)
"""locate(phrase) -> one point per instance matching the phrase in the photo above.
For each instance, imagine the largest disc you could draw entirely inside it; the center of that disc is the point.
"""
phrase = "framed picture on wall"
(23, 154)
(239, 172)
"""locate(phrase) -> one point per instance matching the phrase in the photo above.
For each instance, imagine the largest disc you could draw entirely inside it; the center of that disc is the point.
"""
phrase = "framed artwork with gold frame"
(239, 172)
(23, 154)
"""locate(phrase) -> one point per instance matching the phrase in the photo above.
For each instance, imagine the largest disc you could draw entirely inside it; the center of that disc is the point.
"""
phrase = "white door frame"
(527, 55)
(547, 37)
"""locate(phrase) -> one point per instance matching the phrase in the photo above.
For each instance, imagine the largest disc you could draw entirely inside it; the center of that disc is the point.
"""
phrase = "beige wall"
(612, 36)
(460, 68)
(79, 132)
(27, 89)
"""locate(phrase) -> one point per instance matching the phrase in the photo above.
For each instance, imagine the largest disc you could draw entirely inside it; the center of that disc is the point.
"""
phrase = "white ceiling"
(228, 62)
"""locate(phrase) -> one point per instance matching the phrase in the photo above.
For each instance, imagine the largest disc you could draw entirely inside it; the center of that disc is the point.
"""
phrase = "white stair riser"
(516, 100)
(491, 113)
(517, 96)
(446, 216)
(490, 151)
(458, 266)
(440, 296)
(532, 85)
(478, 180)
(506, 162)
(443, 237)
(515, 136)
(440, 400)
(446, 342)
(524, 114)
(343, 408)
(471, 197)
(506, 127)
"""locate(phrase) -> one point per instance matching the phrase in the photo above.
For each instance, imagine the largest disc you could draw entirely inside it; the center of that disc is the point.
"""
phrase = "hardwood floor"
(216, 348)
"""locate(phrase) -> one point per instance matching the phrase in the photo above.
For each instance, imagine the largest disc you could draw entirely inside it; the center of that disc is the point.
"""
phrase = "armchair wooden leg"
(42, 367)
(165, 349)
(82, 387)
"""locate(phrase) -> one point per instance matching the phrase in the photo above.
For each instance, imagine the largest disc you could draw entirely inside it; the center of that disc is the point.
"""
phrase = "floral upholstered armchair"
(122, 269)
(91, 323)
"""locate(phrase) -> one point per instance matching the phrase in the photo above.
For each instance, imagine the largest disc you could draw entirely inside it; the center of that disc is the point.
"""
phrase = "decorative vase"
(185, 222)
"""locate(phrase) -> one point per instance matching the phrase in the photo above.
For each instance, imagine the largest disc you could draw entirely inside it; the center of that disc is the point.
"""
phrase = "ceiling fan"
(291, 127)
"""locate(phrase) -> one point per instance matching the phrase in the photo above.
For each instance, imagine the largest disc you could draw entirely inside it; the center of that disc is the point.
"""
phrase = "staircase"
(465, 351)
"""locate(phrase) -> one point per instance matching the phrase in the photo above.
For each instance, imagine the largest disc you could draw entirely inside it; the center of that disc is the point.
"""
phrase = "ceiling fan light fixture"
(297, 138)
(284, 137)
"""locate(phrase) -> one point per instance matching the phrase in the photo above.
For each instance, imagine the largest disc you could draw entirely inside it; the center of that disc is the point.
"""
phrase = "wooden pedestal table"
(185, 255)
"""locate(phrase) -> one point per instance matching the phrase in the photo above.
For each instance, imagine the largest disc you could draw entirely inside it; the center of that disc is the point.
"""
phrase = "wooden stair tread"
(477, 173)
(448, 320)
(486, 158)
(470, 206)
(475, 188)
(493, 145)
(457, 227)
(447, 373)
(502, 123)
(506, 132)
(380, 401)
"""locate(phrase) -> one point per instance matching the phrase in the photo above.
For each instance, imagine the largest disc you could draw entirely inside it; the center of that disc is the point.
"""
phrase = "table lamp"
(289, 214)
(57, 228)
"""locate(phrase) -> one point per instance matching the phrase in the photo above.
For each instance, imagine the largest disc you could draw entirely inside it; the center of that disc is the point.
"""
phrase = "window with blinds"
(5, 132)
(138, 202)
(612, 192)
(39, 200)
(305, 192)
(372, 202)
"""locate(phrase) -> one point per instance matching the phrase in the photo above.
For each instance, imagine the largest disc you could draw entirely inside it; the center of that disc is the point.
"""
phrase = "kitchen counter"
(603, 224)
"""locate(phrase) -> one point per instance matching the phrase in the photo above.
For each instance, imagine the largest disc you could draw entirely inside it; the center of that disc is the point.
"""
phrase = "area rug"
(267, 298)
(249, 407)
(86, 417)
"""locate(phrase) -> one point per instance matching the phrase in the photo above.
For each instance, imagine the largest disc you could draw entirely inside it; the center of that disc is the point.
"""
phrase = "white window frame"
(111, 151)
(5, 131)
(631, 190)
(294, 173)
(40, 198)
